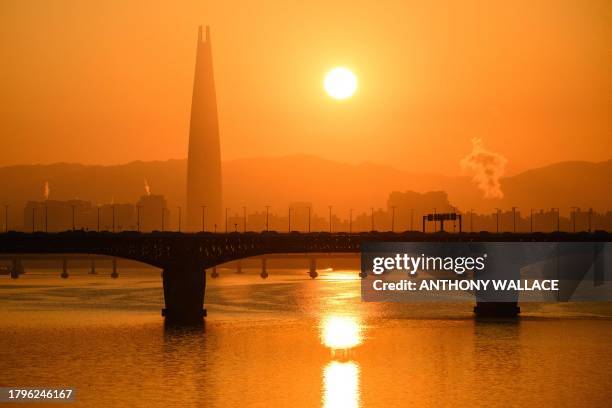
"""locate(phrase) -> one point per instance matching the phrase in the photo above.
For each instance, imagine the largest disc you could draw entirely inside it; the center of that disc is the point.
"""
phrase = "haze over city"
(110, 83)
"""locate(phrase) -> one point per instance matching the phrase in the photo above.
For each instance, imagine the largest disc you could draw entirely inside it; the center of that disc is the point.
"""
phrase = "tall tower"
(204, 157)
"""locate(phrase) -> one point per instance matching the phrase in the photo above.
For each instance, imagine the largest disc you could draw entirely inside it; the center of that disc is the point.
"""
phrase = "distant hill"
(278, 181)
(566, 184)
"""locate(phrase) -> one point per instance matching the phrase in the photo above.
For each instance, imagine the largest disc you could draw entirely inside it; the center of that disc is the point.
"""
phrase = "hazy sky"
(110, 81)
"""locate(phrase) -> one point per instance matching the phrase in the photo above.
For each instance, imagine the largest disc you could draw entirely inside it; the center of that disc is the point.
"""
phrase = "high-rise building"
(204, 157)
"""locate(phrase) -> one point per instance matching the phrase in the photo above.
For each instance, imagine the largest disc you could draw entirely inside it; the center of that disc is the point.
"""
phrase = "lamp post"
(180, 211)
(372, 218)
(73, 223)
(203, 218)
(497, 220)
(558, 216)
(434, 220)
(471, 220)
(226, 210)
(138, 217)
(244, 216)
(574, 210)
(163, 214)
(392, 218)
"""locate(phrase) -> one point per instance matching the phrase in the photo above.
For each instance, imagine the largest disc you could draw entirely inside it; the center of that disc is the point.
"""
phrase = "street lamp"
(558, 216)
(471, 220)
(180, 211)
(574, 210)
(434, 221)
(497, 220)
(372, 219)
(6, 217)
(514, 219)
(138, 217)
(245, 219)
(163, 214)
(226, 210)
(73, 224)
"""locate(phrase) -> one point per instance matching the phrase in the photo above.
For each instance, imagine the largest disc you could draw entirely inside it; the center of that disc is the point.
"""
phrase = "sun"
(340, 83)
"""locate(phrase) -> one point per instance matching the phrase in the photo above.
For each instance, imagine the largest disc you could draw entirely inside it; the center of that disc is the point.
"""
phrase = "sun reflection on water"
(341, 378)
(341, 385)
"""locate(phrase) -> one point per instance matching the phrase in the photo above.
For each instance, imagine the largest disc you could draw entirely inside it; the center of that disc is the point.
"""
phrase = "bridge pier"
(264, 271)
(114, 274)
(497, 309)
(64, 274)
(16, 269)
(184, 286)
(313, 268)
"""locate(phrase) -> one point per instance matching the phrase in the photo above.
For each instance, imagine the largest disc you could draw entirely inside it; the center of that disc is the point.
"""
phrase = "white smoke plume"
(146, 187)
(487, 168)
(46, 190)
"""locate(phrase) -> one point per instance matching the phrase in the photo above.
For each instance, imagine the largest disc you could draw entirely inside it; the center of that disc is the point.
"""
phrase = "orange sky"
(110, 81)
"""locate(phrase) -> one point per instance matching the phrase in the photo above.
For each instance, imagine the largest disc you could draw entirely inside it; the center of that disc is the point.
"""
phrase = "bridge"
(183, 257)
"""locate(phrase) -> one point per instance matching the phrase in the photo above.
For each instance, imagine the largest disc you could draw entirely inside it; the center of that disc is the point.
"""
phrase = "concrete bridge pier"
(64, 274)
(114, 274)
(313, 268)
(184, 286)
(16, 269)
(497, 309)
(264, 271)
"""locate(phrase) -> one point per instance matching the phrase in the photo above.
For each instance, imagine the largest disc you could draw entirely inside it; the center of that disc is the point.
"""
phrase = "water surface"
(293, 342)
